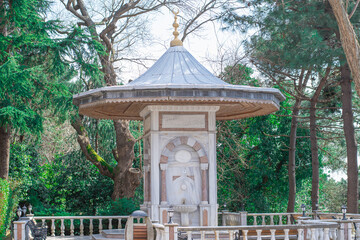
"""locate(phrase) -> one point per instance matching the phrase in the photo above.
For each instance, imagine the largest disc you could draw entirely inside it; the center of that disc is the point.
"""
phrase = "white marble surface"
(183, 121)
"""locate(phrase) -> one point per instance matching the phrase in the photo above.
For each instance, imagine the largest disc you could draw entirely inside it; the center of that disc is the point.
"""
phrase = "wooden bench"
(38, 231)
(140, 232)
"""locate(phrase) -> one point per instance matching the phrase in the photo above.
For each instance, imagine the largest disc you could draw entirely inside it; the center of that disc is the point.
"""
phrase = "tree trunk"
(313, 142)
(4, 151)
(351, 145)
(126, 184)
(349, 40)
(292, 155)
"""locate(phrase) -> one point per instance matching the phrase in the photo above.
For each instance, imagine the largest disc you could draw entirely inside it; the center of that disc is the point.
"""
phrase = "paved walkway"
(69, 238)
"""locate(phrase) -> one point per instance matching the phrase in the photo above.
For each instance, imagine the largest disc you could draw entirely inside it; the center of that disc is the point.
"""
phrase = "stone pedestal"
(20, 231)
(180, 163)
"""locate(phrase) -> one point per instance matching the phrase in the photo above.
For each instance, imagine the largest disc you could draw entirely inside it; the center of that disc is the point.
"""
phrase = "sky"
(204, 45)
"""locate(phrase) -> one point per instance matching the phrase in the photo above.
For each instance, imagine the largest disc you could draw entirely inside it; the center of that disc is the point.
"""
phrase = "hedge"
(4, 207)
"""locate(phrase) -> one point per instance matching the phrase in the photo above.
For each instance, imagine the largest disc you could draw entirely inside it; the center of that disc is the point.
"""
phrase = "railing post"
(258, 234)
(19, 229)
(71, 227)
(350, 230)
(53, 227)
(223, 217)
(81, 227)
(110, 224)
(271, 219)
(91, 227)
(341, 232)
(243, 218)
(62, 228)
(272, 231)
(100, 225)
(171, 231)
(326, 234)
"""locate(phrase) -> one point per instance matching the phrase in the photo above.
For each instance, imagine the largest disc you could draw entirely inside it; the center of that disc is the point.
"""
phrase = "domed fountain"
(179, 101)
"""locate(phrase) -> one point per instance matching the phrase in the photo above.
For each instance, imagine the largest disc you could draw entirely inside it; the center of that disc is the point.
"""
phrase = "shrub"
(4, 207)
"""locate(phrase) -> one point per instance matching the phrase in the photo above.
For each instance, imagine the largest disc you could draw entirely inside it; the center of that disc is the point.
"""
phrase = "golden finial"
(175, 41)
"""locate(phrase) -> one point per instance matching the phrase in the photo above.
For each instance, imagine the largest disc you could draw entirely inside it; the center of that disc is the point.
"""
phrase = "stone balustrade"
(271, 218)
(268, 226)
(76, 224)
(244, 218)
(314, 231)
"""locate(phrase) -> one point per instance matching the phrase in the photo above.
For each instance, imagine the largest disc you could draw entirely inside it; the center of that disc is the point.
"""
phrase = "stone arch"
(183, 140)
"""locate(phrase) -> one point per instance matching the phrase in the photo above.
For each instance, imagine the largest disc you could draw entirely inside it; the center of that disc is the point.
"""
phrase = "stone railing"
(271, 218)
(314, 231)
(244, 218)
(82, 225)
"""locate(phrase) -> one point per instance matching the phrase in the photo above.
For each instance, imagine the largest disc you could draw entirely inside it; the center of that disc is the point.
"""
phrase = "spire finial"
(175, 41)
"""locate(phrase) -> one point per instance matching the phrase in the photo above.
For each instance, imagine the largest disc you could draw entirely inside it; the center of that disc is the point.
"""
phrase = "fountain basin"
(185, 208)
(184, 211)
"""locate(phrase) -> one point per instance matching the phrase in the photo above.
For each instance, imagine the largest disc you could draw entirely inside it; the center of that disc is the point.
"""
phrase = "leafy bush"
(4, 206)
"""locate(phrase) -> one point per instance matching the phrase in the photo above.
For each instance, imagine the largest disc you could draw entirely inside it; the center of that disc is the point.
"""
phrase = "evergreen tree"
(31, 71)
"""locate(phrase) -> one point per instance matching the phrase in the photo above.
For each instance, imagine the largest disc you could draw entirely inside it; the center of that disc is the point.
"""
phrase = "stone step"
(108, 237)
(114, 233)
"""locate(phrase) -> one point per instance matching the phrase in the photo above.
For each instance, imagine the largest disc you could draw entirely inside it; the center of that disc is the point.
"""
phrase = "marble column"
(204, 188)
(163, 183)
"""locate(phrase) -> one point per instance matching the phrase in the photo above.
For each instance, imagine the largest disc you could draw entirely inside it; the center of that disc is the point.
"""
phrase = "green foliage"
(69, 184)
(31, 70)
(122, 207)
(254, 175)
(4, 205)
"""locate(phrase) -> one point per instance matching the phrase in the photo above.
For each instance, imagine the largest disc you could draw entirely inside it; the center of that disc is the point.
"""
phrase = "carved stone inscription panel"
(183, 121)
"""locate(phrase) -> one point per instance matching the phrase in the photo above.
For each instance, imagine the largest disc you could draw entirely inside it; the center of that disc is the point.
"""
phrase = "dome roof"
(177, 78)
(177, 67)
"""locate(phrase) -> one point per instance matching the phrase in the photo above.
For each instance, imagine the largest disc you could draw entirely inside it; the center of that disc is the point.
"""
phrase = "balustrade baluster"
(110, 225)
(231, 234)
(280, 219)
(119, 223)
(349, 230)
(245, 232)
(341, 233)
(271, 219)
(71, 227)
(91, 227)
(286, 231)
(62, 228)
(53, 227)
(263, 220)
(81, 227)
(100, 225)
(288, 219)
(300, 234)
(272, 231)
(189, 235)
(326, 234)
(216, 235)
(334, 234)
(313, 235)
(258, 234)
(255, 223)
(320, 233)
(202, 233)
(43, 221)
